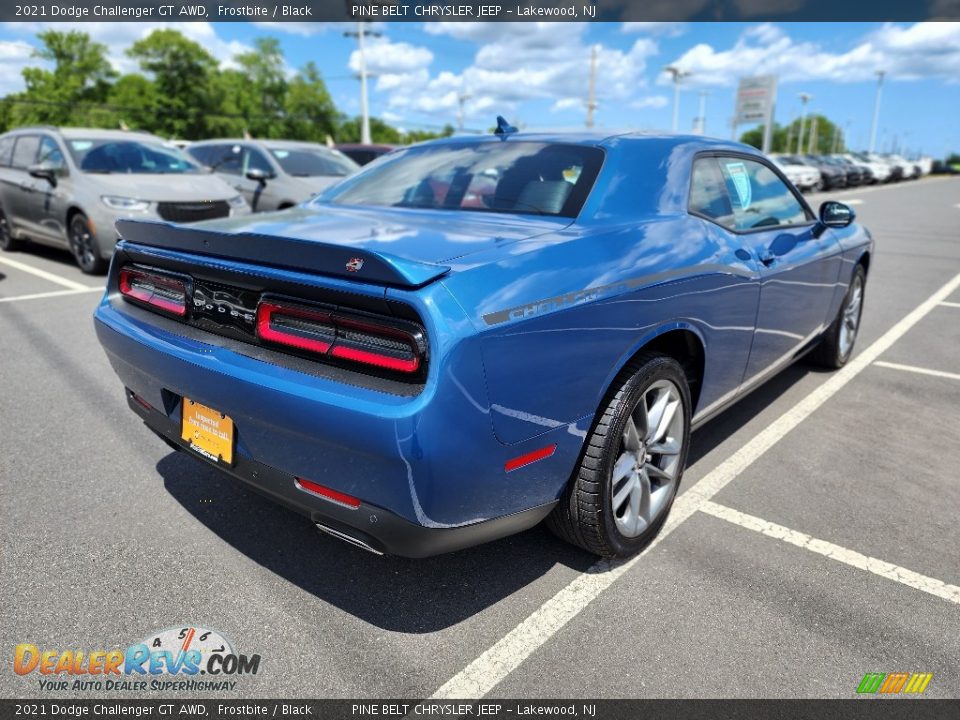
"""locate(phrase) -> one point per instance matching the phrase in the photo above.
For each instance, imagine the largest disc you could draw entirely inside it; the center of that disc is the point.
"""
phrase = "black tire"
(831, 352)
(8, 243)
(83, 245)
(585, 516)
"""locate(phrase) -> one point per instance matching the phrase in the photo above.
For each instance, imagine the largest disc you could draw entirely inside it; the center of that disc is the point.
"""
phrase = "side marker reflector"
(328, 493)
(530, 457)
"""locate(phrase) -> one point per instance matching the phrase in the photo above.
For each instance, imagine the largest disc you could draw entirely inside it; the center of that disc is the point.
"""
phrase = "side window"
(758, 196)
(708, 193)
(50, 153)
(201, 154)
(25, 151)
(6, 151)
(254, 160)
(226, 159)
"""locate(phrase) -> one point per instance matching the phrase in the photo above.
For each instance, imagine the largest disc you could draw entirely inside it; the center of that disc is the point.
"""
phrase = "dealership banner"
(473, 10)
(493, 709)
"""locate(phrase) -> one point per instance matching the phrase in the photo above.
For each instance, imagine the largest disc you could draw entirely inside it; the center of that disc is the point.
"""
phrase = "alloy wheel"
(81, 243)
(645, 473)
(850, 321)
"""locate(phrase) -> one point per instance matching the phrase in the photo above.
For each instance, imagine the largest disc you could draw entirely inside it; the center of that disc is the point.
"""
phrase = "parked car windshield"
(305, 162)
(504, 177)
(109, 155)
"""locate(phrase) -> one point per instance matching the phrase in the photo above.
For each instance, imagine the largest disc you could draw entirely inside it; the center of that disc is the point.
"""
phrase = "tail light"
(162, 292)
(383, 343)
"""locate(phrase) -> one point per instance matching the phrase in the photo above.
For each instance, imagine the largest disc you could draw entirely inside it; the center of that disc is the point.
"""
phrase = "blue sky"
(537, 74)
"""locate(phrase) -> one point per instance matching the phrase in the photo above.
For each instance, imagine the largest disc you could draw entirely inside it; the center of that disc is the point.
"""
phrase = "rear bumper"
(369, 526)
(429, 466)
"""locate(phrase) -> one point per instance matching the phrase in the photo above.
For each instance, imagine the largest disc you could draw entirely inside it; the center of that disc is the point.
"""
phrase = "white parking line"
(52, 293)
(485, 672)
(918, 370)
(950, 304)
(841, 554)
(73, 285)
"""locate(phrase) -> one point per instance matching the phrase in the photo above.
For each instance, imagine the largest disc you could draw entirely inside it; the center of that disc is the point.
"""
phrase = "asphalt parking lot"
(815, 538)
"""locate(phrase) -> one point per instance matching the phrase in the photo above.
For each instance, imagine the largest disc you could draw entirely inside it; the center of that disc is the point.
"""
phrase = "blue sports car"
(472, 335)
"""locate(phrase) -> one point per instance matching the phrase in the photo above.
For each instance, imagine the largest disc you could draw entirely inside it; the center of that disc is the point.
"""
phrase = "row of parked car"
(67, 187)
(841, 170)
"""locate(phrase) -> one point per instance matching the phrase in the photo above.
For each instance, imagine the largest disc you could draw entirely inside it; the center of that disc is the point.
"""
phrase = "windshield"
(309, 162)
(504, 177)
(109, 155)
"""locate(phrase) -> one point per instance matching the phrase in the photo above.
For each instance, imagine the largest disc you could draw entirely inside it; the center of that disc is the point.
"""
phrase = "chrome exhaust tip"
(357, 542)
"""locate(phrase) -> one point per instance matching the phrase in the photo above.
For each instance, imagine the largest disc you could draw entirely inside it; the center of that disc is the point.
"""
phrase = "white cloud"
(517, 62)
(15, 55)
(667, 29)
(386, 57)
(904, 52)
(651, 102)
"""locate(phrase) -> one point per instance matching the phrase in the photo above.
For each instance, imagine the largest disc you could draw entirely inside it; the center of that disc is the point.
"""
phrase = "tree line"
(181, 92)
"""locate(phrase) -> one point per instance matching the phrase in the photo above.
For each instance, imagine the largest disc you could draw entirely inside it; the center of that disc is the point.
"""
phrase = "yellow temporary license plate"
(209, 431)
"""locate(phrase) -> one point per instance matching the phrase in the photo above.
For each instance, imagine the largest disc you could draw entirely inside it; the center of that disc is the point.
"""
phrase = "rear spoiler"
(293, 253)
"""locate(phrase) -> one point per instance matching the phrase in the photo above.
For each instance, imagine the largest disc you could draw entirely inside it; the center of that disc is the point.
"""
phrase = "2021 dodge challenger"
(476, 334)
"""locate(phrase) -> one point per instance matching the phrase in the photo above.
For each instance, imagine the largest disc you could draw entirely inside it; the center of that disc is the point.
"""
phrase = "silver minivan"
(274, 174)
(67, 187)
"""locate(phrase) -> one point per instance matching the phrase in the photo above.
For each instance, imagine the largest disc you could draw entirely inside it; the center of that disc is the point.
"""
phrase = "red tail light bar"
(162, 292)
(387, 344)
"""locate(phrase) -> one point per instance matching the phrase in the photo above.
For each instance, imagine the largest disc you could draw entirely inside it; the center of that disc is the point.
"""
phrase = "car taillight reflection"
(158, 291)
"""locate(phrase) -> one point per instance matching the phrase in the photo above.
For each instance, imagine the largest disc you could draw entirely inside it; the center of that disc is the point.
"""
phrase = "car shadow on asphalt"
(399, 594)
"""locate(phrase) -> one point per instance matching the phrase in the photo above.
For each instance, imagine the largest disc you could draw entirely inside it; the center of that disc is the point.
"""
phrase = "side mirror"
(836, 215)
(44, 172)
(258, 175)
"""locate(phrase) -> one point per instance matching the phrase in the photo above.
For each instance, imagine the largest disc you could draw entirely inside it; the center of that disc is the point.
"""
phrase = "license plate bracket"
(208, 432)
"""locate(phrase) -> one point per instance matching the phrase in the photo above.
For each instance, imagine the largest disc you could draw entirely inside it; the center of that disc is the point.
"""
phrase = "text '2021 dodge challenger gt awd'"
(473, 335)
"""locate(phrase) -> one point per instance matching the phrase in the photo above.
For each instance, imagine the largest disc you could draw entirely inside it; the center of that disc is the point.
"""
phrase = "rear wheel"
(622, 491)
(7, 241)
(83, 245)
(837, 344)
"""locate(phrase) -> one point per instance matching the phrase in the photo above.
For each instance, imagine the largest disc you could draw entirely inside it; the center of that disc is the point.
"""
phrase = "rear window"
(308, 162)
(527, 178)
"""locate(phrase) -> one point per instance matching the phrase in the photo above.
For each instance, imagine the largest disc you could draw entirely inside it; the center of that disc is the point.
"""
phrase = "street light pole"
(360, 33)
(804, 99)
(592, 87)
(702, 118)
(876, 111)
(462, 99)
(677, 75)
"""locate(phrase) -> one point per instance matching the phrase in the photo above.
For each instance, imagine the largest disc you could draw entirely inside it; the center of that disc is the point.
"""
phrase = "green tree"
(134, 102)
(309, 110)
(183, 74)
(827, 136)
(81, 75)
(265, 88)
(380, 132)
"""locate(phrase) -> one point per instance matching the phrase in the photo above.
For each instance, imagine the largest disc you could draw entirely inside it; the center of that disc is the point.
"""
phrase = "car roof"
(607, 138)
(87, 133)
(292, 144)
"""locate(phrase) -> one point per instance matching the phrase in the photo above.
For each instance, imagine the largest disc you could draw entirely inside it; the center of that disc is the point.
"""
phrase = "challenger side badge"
(355, 264)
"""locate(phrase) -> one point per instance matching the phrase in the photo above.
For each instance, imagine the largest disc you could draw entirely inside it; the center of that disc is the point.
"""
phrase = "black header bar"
(493, 709)
(473, 10)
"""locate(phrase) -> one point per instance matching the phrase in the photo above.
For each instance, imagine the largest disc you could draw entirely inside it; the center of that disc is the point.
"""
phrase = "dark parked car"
(274, 174)
(831, 177)
(364, 154)
(474, 334)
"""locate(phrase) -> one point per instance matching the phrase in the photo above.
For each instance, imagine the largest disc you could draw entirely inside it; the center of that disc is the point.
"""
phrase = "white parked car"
(879, 169)
(805, 177)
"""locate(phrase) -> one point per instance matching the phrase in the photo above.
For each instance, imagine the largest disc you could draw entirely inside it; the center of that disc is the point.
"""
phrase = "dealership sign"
(755, 99)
